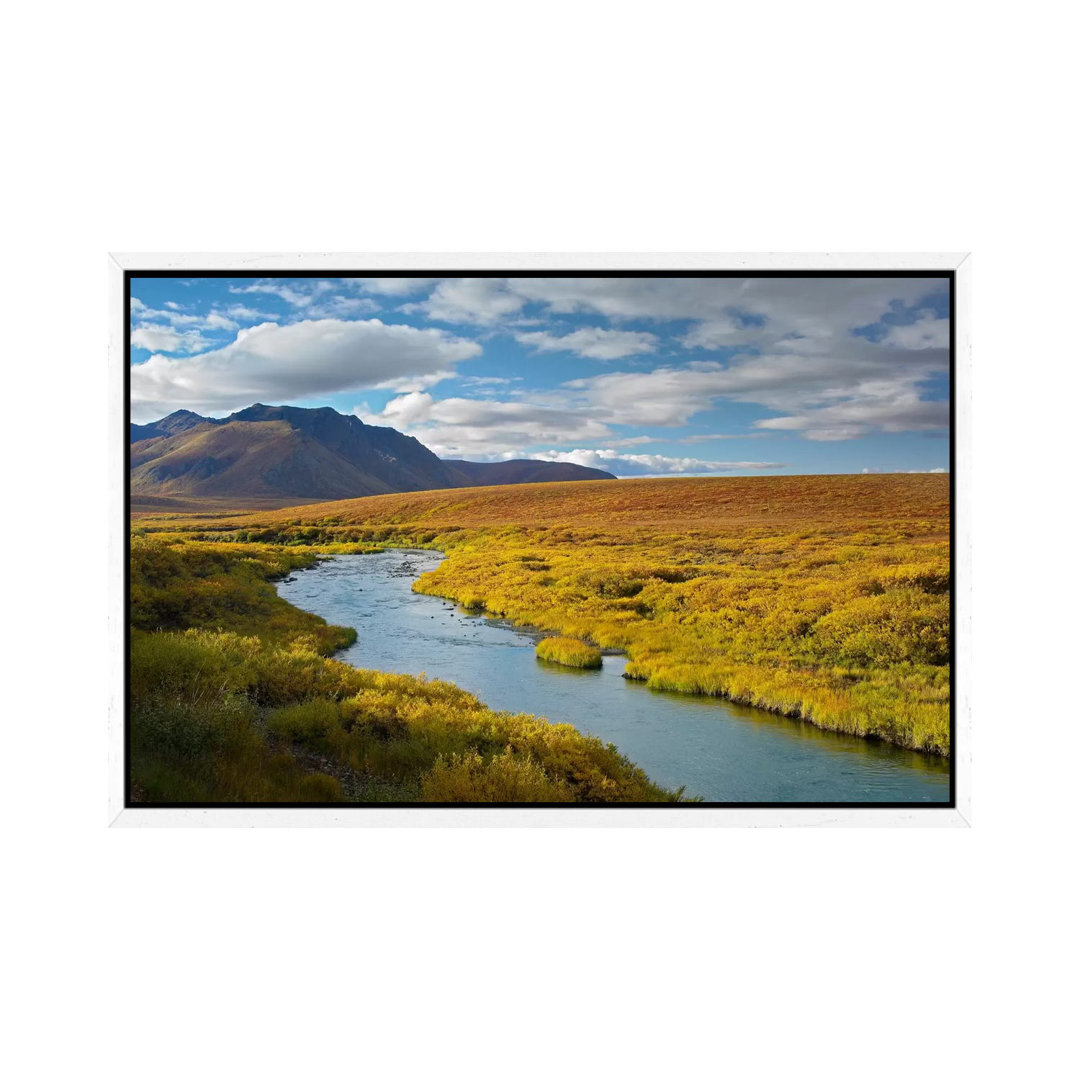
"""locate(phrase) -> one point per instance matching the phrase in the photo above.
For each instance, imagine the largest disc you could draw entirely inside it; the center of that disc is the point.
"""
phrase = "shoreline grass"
(235, 698)
(569, 652)
(824, 598)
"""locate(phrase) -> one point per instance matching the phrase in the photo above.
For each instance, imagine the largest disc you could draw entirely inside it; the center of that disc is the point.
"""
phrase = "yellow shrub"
(570, 652)
(504, 778)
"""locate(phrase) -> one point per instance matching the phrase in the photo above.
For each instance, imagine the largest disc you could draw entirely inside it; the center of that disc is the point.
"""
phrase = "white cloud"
(469, 427)
(927, 333)
(593, 342)
(650, 464)
(807, 363)
(406, 384)
(300, 293)
(728, 306)
(341, 307)
(824, 393)
(482, 301)
(166, 339)
(794, 355)
(723, 435)
(247, 314)
(487, 386)
(393, 286)
(172, 315)
(892, 408)
(723, 332)
(306, 359)
(493, 430)
(913, 472)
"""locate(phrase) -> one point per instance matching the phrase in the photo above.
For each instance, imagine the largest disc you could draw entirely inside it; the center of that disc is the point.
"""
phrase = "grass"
(822, 597)
(235, 699)
(570, 652)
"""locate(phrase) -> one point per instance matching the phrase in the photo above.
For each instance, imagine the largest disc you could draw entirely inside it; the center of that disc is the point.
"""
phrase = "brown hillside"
(265, 459)
(669, 504)
(291, 455)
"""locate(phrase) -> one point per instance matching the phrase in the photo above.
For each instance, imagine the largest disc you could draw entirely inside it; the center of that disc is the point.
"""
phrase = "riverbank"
(722, 752)
(235, 698)
(825, 598)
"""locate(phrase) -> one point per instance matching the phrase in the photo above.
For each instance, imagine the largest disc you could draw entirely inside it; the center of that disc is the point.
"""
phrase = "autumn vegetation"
(568, 651)
(825, 598)
(234, 698)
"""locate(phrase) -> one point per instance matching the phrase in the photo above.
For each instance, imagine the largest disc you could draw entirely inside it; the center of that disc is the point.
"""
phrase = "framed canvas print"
(544, 539)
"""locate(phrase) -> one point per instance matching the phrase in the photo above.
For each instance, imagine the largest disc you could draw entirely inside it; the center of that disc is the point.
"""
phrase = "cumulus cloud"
(826, 392)
(481, 301)
(723, 332)
(887, 408)
(470, 427)
(837, 357)
(304, 359)
(593, 342)
(729, 305)
(493, 430)
(216, 321)
(823, 359)
(650, 464)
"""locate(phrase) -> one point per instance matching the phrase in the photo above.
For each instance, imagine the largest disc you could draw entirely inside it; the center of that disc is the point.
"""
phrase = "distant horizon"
(635, 476)
(637, 376)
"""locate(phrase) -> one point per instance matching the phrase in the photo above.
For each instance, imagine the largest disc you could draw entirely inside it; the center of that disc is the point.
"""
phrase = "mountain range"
(280, 453)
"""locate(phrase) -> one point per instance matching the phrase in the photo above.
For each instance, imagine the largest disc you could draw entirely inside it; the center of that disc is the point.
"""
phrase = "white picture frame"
(957, 815)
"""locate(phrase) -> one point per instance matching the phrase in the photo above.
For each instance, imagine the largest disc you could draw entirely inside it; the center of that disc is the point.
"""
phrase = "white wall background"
(538, 127)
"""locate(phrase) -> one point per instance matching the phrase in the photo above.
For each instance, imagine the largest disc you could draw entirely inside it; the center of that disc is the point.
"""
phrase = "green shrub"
(315, 724)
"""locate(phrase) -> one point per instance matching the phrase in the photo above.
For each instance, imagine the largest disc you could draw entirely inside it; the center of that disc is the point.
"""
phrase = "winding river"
(717, 750)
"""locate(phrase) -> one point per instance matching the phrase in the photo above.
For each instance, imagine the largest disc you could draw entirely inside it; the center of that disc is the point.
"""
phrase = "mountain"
(181, 420)
(291, 454)
(523, 471)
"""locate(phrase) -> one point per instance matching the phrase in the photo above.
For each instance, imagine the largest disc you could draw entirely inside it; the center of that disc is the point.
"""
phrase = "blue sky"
(640, 376)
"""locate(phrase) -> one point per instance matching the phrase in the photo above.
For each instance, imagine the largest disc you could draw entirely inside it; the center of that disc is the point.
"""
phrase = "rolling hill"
(292, 455)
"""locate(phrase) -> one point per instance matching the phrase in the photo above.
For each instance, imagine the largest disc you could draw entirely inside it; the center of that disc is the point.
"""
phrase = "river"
(719, 751)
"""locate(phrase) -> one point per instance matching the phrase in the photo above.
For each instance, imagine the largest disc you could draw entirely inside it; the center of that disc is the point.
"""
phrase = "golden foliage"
(570, 652)
(234, 700)
(820, 597)
(503, 778)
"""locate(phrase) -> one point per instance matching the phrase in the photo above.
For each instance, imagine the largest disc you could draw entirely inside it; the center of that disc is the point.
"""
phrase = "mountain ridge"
(292, 453)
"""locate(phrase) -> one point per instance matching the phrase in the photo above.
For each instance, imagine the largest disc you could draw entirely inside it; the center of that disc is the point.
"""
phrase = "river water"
(717, 750)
